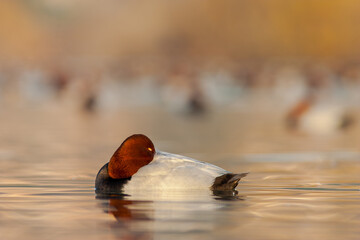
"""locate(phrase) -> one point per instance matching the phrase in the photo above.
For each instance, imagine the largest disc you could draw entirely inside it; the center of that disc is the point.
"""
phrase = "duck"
(311, 116)
(137, 166)
(321, 111)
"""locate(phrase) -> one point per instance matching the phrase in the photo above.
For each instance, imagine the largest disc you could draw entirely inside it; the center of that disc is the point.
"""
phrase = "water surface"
(299, 187)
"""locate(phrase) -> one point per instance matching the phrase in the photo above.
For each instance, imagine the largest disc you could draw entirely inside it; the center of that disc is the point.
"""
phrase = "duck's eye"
(150, 149)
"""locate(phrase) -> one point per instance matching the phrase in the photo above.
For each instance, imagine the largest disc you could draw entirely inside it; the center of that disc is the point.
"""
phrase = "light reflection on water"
(299, 187)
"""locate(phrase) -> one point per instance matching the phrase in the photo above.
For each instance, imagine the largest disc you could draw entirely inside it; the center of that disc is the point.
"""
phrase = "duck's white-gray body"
(171, 171)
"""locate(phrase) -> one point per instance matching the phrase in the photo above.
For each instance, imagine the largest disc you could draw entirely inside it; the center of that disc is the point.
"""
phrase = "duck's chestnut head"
(135, 152)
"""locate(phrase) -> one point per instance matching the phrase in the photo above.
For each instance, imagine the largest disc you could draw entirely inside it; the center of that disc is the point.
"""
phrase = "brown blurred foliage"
(42, 30)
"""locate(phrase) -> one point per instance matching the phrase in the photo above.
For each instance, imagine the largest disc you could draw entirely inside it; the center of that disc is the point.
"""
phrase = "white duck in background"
(312, 116)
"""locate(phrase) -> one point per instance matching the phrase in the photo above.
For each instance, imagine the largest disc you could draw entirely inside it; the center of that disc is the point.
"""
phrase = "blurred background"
(258, 76)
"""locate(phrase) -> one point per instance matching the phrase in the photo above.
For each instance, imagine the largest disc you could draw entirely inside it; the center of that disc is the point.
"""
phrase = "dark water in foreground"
(300, 187)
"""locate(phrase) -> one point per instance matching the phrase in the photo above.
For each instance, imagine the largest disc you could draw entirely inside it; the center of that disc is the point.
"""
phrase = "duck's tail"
(228, 181)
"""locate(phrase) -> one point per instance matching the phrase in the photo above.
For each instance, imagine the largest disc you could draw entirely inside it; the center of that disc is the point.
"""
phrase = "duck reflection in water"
(177, 206)
(126, 217)
(119, 208)
(149, 216)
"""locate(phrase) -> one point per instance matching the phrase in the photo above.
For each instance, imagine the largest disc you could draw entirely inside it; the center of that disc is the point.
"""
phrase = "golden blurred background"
(192, 53)
(56, 31)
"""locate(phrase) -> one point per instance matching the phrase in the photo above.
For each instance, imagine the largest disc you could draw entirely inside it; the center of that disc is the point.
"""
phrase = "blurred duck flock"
(105, 107)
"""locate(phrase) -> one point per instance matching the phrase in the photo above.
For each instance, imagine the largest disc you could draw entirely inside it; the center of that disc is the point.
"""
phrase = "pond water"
(299, 186)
